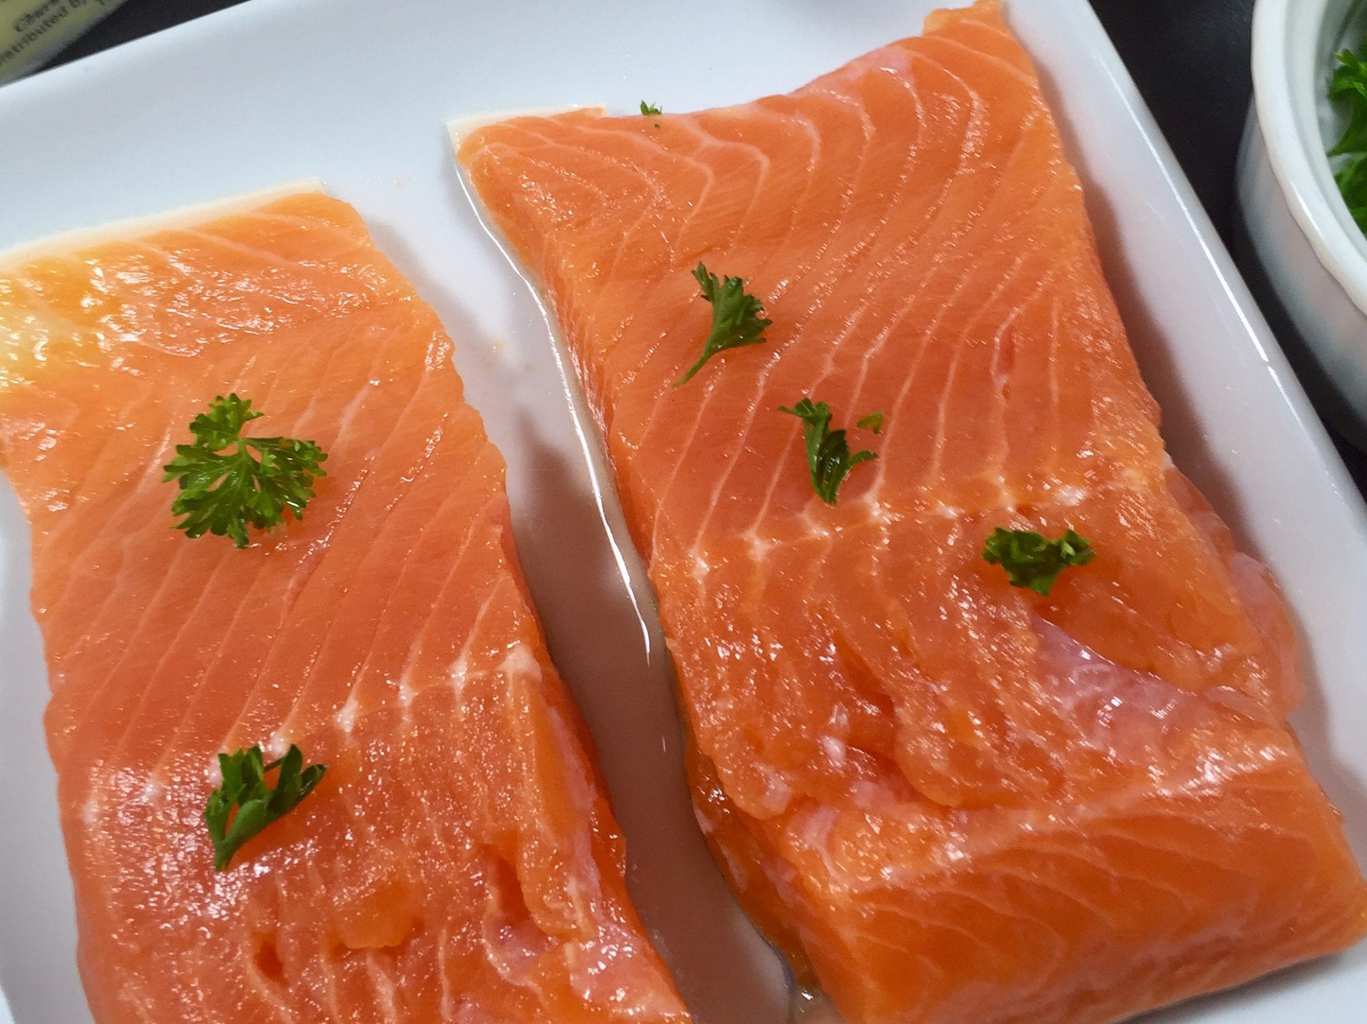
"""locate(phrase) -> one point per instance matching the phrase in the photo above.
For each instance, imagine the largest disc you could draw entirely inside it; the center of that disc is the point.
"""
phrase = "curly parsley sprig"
(737, 317)
(228, 482)
(828, 453)
(245, 789)
(1033, 561)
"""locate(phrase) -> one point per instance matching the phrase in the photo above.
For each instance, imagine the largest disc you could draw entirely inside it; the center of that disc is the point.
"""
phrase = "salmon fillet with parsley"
(458, 861)
(946, 798)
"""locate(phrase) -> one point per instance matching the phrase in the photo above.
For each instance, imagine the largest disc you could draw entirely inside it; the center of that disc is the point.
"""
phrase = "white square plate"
(356, 92)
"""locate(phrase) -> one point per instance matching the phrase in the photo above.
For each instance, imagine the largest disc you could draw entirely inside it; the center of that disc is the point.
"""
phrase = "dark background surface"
(1190, 59)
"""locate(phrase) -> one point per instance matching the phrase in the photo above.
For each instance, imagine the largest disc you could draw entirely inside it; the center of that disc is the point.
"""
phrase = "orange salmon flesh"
(459, 861)
(945, 798)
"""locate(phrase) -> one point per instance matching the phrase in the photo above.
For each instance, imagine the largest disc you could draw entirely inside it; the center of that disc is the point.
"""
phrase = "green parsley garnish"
(737, 317)
(1031, 560)
(872, 422)
(828, 453)
(257, 482)
(1352, 182)
(244, 787)
(650, 109)
(1349, 85)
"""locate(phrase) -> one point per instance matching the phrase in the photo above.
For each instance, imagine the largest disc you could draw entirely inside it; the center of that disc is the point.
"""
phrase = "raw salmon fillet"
(947, 799)
(459, 861)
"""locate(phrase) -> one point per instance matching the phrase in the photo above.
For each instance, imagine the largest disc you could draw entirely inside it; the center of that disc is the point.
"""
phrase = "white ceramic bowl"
(1309, 249)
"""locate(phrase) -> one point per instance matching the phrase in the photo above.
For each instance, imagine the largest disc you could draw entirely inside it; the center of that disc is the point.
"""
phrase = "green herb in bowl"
(1349, 88)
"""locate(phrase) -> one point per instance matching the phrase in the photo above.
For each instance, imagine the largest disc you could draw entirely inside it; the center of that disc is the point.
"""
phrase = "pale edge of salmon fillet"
(944, 799)
(124, 228)
(459, 860)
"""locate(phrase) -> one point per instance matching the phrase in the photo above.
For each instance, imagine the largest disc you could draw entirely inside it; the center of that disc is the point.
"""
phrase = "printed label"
(31, 31)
